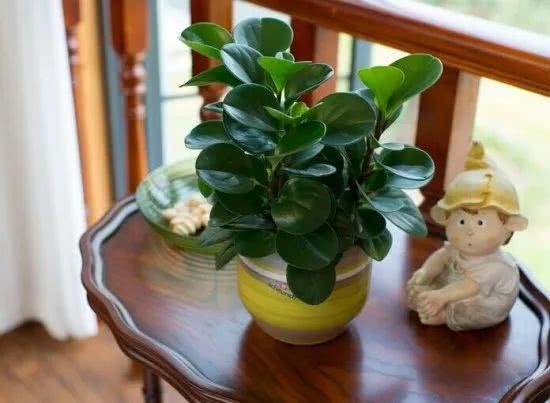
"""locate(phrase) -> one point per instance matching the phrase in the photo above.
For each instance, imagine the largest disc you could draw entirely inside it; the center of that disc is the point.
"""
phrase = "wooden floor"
(36, 368)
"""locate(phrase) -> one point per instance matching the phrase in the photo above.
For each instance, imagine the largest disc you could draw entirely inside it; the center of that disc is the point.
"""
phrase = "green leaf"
(301, 157)
(219, 215)
(302, 206)
(280, 70)
(312, 251)
(375, 181)
(311, 171)
(355, 153)
(206, 38)
(348, 118)
(280, 116)
(205, 134)
(307, 79)
(246, 104)
(421, 72)
(388, 146)
(225, 168)
(255, 243)
(285, 56)
(214, 107)
(409, 219)
(377, 247)
(204, 188)
(403, 183)
(338, 181)
(342, 223)
(243, 204)
(214, 235)
(256, 221)
(250, 139)
(218, 74)
(387, 199)
(311, 287)
(260, 170)
(301, 137)
(298, 109)
(372, 223)
(393, 117)
(383, 81)
(368, 96)
(241, 61)
(225, 255)
(410, 163)
(266, 35)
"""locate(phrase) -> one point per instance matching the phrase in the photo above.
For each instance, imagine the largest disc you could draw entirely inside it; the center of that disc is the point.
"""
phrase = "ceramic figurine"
(470, 283)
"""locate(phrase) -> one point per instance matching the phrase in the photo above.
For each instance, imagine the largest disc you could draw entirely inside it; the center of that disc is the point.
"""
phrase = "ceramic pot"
(265, 294)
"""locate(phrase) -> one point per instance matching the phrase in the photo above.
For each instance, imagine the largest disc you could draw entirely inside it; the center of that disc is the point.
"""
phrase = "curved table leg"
(152, 391)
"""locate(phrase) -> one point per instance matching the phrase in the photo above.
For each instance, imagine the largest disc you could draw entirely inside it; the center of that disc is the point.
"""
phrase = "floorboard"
(36, 368)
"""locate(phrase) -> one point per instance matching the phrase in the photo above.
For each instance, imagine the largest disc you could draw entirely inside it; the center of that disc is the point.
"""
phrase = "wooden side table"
(182, 320)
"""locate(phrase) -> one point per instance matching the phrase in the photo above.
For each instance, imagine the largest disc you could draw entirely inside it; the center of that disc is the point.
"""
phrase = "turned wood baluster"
(219, 12)
(445, 124)
(317, 44)
(71, 12)
(129, 30)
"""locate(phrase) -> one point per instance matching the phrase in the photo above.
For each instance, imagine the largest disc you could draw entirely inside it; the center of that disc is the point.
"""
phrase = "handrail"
(471, 44)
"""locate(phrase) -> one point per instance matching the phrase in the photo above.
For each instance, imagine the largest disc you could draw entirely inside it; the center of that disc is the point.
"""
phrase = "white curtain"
(41, 202)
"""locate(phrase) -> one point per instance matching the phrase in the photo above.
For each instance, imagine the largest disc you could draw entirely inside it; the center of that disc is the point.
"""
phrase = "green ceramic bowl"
(160, 190)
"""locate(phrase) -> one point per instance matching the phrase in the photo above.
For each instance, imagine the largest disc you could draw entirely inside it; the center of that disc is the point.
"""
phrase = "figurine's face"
(477, 233)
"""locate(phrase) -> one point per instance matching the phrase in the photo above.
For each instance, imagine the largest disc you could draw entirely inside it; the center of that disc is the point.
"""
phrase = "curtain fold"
(41, 201)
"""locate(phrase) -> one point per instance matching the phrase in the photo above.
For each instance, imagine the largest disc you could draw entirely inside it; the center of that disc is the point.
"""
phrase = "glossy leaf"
(307, 79)
(204, 188)
(241, 61)
(218, 74)
(220, 215)
(371, 223)
(383, 81)
(225, 255)
(299, 158)
(368, 96)
(342, 224)
(388, 146)
(280, 116)
(403, 183)
(260, 170)
(302, 206)
(285, 56)
(410, 163)
(243, 204)
(377, 247)
(409, 219)
(206, 38)
(205, 134)
(250, 139)
(338, 181)
(280, 70)
(375, 181)
(387, 199)
(311, 287)
(225, 168)
(355, 154)
(255, 221)
(300, 137)
(246, 104)
(312, 251)
(213, 235)
(255, 243)
(311, 171)
(214, 107)
(267, 35)
(298, 109)
(421, 71)
(348, 118)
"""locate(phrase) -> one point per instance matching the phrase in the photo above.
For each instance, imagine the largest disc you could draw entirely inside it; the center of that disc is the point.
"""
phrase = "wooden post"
(219, 12)
(130, 37)
(445, 124)
(317, 44)
(71, 12)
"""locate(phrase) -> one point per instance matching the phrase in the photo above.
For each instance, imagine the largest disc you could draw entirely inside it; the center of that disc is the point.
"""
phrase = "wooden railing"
(469, 48)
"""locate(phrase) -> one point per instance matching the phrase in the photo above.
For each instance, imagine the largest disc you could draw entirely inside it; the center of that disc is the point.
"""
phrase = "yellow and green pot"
(265, 294)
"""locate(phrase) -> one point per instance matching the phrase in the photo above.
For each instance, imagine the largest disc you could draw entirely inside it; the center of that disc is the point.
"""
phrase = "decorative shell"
(189, 216)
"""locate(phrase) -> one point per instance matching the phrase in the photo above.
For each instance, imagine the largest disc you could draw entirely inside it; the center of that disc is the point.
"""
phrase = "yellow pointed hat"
(481, 185)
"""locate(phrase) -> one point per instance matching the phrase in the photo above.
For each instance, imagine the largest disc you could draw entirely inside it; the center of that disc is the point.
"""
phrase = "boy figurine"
(470, 283)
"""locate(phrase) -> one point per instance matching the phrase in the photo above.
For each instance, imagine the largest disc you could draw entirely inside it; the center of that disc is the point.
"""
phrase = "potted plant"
(303, 194)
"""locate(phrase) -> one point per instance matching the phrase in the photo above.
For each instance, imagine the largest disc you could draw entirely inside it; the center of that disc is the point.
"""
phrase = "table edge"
(196, 387)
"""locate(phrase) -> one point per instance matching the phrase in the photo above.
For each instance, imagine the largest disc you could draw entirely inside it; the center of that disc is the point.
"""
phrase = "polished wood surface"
(470, 44)
(130, 38)
(35, 368)
(185, 322)
(319, 45)
(219, 12)
(444, 128)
